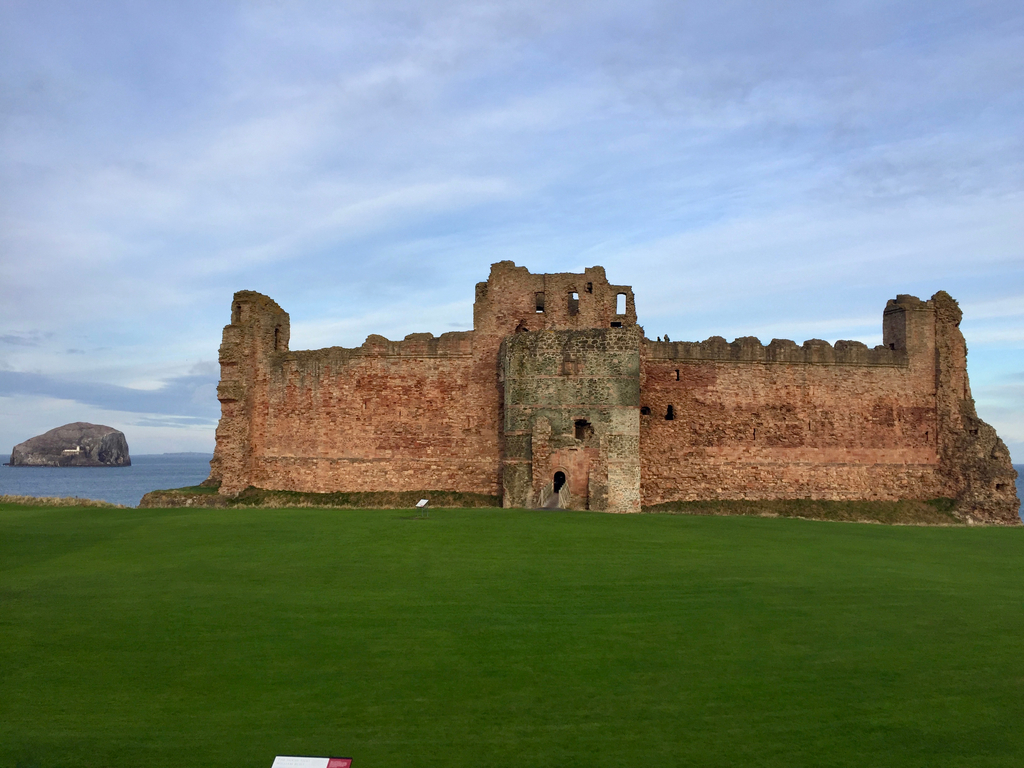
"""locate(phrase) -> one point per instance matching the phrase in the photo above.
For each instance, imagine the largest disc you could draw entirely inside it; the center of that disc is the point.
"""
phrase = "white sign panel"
(283, 761)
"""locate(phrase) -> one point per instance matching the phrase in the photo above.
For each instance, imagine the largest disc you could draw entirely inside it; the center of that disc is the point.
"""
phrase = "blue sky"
(771, 169)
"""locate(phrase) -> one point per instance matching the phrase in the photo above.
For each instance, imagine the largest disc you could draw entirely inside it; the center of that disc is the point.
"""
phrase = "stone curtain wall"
(418, 414)
(814, 421)
(396, 416)
(764, 429)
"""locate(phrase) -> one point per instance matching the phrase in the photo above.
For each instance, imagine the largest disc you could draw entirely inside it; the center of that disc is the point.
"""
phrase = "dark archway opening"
(559, 480)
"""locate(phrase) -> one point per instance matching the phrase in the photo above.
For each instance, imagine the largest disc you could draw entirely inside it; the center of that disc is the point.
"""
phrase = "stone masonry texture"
(556, 398)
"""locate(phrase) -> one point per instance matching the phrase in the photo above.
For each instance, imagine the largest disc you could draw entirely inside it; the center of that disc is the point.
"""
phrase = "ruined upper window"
(670, 414)
(539, 298)
(277, 338)
(574, 303)
(236, 315)
(620, 304)
(583, 429)
(590, 287)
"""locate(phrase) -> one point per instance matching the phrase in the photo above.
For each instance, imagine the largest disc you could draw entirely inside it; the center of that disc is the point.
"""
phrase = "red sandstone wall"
(411, 415)
(760, 430)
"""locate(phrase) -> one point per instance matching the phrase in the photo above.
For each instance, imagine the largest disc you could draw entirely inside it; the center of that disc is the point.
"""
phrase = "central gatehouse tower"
(568, 366)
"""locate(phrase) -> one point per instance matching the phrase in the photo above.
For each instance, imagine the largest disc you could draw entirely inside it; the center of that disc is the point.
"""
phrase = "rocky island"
(74, 445)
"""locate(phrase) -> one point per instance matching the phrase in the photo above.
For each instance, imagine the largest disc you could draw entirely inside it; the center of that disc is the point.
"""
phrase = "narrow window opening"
(277, 338)
(645, 411)
(616, 325)
(590, 287)
(755, 433)
(926, 435)
(892, 345)
(670, 414)
(620, 304)
(677, 374)
(583, 429)
(1000, 486)
(974, 431)
(558, 480)
(236, 316)
(574, 303)
(539, 302)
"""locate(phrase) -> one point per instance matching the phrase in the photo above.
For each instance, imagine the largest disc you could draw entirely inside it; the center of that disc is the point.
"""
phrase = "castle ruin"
(556, 398)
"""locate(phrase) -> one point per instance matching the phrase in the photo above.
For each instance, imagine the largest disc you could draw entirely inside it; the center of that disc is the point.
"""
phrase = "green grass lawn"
(187, 637)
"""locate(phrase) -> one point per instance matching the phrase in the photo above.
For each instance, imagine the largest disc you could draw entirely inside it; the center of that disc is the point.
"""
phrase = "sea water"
(127, 485)
(118, 485)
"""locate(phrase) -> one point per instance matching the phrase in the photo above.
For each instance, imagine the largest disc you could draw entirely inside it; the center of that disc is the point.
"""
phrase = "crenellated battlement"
(454, 344)
(748, 349)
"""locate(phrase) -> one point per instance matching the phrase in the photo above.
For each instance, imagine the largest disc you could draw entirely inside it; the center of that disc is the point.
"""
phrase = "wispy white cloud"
(752, 169)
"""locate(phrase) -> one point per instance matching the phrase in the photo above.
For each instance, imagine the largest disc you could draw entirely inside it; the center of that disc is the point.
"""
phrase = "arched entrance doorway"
(549, 498)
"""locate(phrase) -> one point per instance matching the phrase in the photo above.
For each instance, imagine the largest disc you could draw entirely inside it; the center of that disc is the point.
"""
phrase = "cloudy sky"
(772, 169)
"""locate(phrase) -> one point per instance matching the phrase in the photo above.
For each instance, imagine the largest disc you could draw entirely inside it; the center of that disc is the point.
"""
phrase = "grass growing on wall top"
(489, 637)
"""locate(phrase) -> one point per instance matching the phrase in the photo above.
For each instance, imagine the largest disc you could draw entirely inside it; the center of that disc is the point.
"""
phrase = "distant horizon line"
(168, 453)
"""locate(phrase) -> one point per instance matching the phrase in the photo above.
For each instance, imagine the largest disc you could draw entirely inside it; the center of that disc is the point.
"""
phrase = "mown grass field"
(189, 637)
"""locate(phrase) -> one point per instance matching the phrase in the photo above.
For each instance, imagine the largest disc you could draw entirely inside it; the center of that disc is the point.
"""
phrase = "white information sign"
(284, 761)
